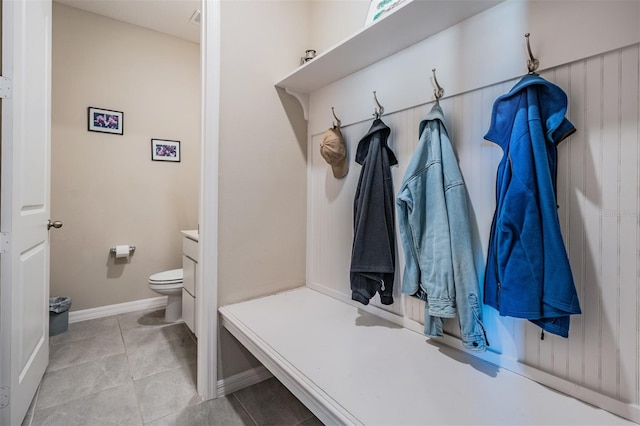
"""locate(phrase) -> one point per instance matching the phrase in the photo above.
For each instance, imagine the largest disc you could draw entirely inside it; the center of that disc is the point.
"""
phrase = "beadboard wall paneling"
(599, 210)
(627, 220)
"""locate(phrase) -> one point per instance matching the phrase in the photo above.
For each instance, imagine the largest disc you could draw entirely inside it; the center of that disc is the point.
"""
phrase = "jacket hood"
(549, 100)
(363, 146)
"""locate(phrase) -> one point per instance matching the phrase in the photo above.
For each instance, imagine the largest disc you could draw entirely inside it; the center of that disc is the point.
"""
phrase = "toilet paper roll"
(122, 251)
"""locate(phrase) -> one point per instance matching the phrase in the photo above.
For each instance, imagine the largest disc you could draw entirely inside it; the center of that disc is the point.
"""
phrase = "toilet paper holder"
(131, 250)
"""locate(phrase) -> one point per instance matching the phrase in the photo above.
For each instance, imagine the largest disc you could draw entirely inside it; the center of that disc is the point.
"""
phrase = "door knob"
(57, 224)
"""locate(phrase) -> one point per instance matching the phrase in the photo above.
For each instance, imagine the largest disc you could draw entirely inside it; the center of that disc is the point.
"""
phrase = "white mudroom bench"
(349, 366)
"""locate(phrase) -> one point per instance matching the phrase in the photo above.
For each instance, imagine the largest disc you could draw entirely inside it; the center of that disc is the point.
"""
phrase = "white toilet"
(169, 283)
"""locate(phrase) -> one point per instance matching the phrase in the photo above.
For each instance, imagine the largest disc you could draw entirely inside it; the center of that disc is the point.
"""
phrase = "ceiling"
(166, 16)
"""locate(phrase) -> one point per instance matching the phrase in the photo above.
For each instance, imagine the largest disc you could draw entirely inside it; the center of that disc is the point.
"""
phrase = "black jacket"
(373, 254)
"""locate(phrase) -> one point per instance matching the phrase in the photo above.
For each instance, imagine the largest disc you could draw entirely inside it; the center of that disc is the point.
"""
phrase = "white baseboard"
(242, 380)
(120, 308)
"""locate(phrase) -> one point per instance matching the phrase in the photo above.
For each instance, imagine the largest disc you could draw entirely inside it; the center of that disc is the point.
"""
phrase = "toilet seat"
(169, 284)
(167, 278)
(163, 287)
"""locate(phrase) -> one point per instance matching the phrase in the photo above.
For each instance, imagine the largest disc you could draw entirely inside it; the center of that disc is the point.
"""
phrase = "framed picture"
(106, 121)
(379, 8)
(165, 150)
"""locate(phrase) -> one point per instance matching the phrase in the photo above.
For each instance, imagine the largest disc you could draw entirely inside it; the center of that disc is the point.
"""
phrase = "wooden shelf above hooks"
(418, 20)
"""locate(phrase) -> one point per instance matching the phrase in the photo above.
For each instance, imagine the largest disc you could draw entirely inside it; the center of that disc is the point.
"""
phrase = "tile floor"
(134, 369)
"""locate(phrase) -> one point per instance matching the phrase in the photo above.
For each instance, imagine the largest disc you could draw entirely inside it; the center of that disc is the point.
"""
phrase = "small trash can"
(58, 315)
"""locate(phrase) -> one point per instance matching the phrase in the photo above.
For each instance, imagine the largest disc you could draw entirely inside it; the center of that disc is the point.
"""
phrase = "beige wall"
(262, 186)
(105, 188)
(334, 20)
(262, 192)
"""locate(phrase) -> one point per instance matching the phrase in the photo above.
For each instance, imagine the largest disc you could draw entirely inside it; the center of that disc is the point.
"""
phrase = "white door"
(24, 204)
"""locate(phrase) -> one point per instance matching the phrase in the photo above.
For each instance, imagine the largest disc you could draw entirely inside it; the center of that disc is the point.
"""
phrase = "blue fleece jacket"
(528, 273)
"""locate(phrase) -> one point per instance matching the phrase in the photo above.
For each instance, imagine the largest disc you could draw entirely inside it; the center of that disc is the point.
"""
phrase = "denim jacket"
(436, 236)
